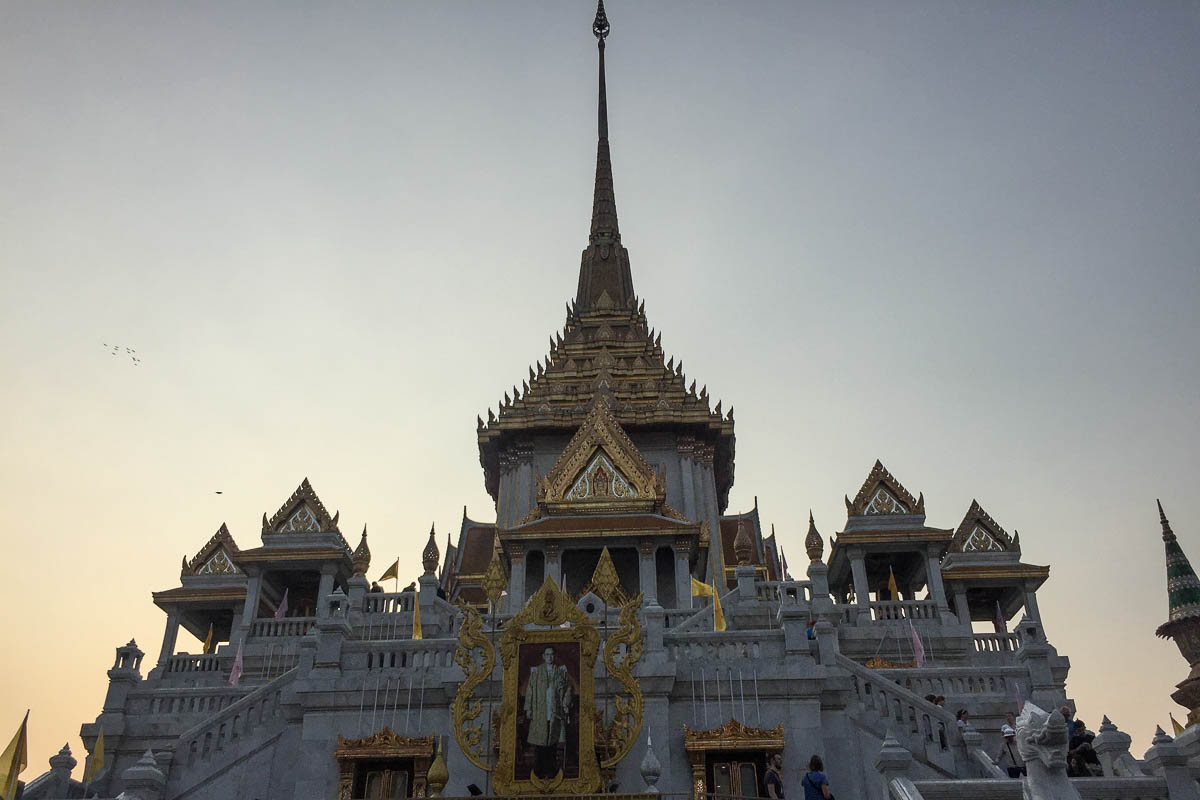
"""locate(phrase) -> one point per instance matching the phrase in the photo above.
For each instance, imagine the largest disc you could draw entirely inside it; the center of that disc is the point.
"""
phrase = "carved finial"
(605, 583)
(743, 545)
(1160, 736)
(491, 417)
(430, 555)
(494, 581)
(717, 410)
(600, 25)
(1107, 725)
(651, 768)
(362, 555)
(813, 543)
(692, 388)
(671, 364)
(729, 416)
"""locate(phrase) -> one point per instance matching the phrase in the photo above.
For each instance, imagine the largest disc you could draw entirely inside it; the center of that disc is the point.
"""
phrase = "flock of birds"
(116, 351)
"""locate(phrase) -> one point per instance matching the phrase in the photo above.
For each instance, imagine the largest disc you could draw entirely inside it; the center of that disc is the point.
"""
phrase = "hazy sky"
(959, 237)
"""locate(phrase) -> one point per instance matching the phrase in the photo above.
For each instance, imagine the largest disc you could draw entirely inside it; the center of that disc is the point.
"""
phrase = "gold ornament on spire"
(605, 583)
(494, 581)
(431, 554)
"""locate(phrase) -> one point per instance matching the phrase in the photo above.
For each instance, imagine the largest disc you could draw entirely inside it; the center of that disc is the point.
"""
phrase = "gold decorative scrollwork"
(626, 724)
(468, 728)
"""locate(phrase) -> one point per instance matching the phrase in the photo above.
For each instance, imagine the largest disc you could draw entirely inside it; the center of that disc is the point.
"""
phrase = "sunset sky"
(962, 238)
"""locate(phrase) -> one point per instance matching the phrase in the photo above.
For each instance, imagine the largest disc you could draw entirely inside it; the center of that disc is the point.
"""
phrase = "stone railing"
(952, 681)
(285, 626)
(1142, 788)
(235, 721)
(785, 593)
(198, 700)
(915, 610)
(922, 726)
(388, 602)
(997, 642)
(727, 646)
(405, 653)
(702, 617)
(186, 663)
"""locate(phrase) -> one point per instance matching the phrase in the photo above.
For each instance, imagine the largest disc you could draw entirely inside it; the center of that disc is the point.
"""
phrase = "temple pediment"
(881, 495)
(979, 533)
(217, 556)
(303, 512)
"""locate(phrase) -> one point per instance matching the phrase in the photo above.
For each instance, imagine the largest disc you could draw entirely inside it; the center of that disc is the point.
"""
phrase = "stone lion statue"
(1042, 739)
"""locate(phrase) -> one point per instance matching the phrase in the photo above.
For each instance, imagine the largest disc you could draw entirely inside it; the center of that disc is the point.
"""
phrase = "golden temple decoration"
(626, 723)
(216, 557)
(881, 493)
(382, 745)
(978, 532)
(466, 710)
(494, 582)
(882, 663)
(733, 735)
(438, 776)
(605, 583)
(548, 609)
(303, 512)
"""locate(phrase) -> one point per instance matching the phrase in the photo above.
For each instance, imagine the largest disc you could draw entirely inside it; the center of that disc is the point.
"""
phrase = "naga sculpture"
(1042, 739)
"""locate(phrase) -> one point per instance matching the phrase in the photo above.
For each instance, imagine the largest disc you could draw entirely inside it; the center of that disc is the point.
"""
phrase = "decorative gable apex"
(303, 512)
(217, 556)
(882, 494)
(979, 533)
(601, 470)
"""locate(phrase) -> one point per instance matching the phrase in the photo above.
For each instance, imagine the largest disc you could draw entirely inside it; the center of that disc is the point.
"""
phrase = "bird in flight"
(129, 351)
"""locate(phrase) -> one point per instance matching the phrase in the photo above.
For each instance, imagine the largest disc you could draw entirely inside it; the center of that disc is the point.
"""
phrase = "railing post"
(894, 760)
(1166, 759)
(1112, 748)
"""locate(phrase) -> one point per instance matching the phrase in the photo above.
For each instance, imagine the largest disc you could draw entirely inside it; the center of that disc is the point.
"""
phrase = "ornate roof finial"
(813, 543)
(1168, 534)
(430, 555)
(361, 558)
(600, 25)
(743, 545)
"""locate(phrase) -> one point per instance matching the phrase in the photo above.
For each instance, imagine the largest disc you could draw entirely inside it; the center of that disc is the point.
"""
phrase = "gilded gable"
(218, 556)
(882, 494)
(979, 533)
(303, 512)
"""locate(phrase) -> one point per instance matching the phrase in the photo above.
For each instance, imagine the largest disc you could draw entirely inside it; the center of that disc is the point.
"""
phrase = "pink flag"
(235, 672)
(918, 648)
(1001, 626)
(281, 612)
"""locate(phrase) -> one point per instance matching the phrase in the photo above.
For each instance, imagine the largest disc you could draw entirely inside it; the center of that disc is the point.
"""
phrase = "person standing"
(547, 704)
(816, 785)
(774, 777)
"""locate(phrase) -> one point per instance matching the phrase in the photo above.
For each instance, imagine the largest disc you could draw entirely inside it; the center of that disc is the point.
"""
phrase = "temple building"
(617, 628)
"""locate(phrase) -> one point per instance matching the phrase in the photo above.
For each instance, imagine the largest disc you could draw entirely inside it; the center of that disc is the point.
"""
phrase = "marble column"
(686, 446)
(170, 636)
(253, 589)
(553, 563)
(324, 589)
(960, 604)
(646, 573)
(516, 579)
(1031, 605)
(683, 574)
(858, 571)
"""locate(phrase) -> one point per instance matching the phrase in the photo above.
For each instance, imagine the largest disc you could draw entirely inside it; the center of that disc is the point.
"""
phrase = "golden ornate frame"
(733, 735)
(549, 608)
(466, 710)
(384, 743)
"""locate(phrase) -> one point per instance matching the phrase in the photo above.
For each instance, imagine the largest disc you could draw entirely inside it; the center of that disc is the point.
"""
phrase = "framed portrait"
(547, 711)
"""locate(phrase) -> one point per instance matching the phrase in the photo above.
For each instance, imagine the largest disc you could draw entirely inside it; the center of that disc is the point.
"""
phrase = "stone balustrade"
(726, 647)
(957, 681)
(997, 642)
(1133, 788)
(286, 626)
(915, 610)
(187, 663)
(234, 722)
(387, 602)
(404, 654)
(190, 700)
(914, 720)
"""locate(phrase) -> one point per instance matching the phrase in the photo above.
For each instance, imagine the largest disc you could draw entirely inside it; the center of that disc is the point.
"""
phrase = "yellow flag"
(416, 616)
(1175, 726)
(893, 590)
(700, 589)
(208, 640)
(13, 761)
(392, 572)
(96, 761)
